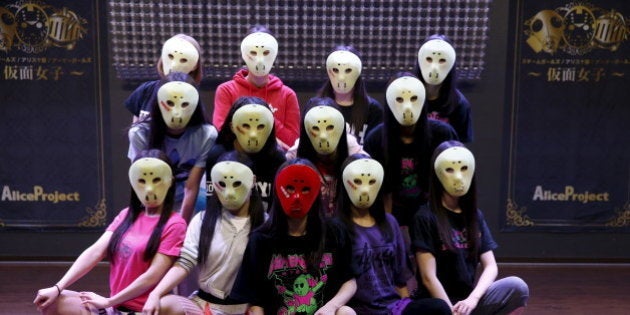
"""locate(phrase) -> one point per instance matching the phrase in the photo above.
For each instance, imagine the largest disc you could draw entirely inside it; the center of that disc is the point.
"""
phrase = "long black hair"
(305, 148)
(214, 209)
(157, 126)
(277, 226)
(467, 202)
(377, 210)
(226, 137)
(448, 97)
(136, 207)
(360, 108)
(392, 142)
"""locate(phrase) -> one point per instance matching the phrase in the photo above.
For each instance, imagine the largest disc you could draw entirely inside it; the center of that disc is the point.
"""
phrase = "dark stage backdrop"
(568, 159)
(51, 116)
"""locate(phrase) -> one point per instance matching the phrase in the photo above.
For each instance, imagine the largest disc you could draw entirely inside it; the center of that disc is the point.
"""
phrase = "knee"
(518, 285)
(345, 310)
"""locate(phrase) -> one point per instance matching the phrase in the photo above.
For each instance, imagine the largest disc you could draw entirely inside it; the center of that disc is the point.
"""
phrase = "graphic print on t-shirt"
(302, 291)
(409, 185)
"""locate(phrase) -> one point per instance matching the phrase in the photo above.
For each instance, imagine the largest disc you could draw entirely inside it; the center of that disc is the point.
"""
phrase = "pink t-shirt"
(128, 261)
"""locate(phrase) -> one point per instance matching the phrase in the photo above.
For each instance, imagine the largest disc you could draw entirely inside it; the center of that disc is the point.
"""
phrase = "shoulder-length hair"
(377, 210)
(136, 207)
(277, 226)
(227, 137)
(157, 126)
(214, 209)
(448, 89)
(196, 74)
(467, 202)
(392, 141)
(305, 148)
(360, 108)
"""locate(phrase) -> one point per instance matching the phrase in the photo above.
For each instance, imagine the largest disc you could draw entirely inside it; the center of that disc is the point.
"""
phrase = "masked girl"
(295, 263)
(177, 126)
(215, 242)
(141, 244)
(452, 240)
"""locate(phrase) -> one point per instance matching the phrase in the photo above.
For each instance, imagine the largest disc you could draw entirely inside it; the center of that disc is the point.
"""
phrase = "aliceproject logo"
(569, 195)
(38, 194)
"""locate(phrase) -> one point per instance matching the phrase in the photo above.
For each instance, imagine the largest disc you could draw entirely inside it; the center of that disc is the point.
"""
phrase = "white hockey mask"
(233, 182)
(259, 51)
(151, 179)
(324, 126)
(436, 59)
(343, 68)
(455, 168)
(363, 179)
(405, 98)
(179, 55)
(178, 101)
(252, 125)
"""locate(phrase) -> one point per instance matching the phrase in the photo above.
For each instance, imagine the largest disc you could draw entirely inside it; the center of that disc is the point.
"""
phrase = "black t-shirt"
(374, 117)
(139, 103)
(454, 270)
(275, 274)
(411, 190)
(460, 118)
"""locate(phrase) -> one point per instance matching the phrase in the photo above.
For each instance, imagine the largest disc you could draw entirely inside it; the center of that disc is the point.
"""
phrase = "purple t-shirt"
(382, 265)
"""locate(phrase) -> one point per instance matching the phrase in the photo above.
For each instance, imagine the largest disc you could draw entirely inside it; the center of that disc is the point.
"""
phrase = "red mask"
(297, 187)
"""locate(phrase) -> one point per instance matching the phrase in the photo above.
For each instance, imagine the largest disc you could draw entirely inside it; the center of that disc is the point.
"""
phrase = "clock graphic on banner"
(579, 29)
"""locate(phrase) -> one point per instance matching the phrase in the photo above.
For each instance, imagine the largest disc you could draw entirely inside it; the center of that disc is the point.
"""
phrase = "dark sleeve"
(375, 113)
(487, 242)
(249, 283)
(463, 122)
(440, 132)
(402, 271)
(424, 233)
(140, 98)
(343, 250)
(372, 144)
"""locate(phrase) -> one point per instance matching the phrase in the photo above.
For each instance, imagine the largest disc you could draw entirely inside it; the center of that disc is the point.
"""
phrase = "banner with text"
(51, 116)
(568, 121)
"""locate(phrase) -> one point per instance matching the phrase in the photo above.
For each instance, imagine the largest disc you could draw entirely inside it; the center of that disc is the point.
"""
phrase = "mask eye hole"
(429, 59)
(399, 100)
(537, 25)
(183, 60)
(358, 181)
(171, 57)
(464, 168)
(245, 126)
(449, 170)
(306, 190)
(335, 70)
(556, 22)
(222, 184)
(372, 181)
(253, 53)
(260, 127)
(185, 104)
(330, 128)
(315, 128)
(414, 98)
(142, 181)
(237, 183)
(170, 103)
(157, 180)
(348, 70)
(266, 53)
(290, 189)
(442, 61)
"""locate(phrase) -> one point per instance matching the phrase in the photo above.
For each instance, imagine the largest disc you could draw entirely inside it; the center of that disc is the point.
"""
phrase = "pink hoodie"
(281, 99)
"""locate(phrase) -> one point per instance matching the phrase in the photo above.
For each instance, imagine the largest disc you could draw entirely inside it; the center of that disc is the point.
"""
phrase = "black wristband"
(58, 290)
